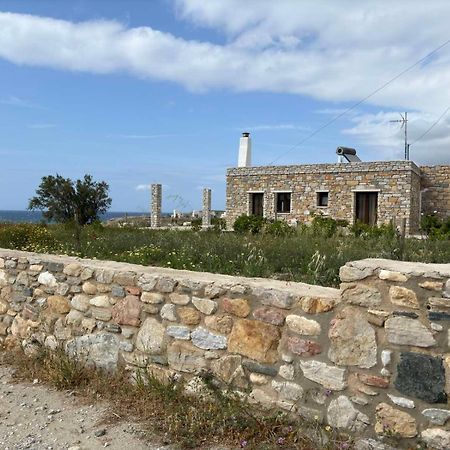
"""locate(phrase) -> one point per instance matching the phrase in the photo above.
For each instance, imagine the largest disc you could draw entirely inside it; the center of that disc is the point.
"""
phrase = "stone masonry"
(206, 211)
(398, 185)
(371, 359)
(156, 192)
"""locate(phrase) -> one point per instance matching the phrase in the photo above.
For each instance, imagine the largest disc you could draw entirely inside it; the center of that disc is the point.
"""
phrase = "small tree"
(64, 201)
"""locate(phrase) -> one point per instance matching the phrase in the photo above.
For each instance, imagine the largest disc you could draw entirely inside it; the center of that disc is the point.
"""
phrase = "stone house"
(371, 192)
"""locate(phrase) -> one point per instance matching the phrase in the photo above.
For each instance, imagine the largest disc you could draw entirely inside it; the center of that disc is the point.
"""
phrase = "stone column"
(206, 212)
(155, 221)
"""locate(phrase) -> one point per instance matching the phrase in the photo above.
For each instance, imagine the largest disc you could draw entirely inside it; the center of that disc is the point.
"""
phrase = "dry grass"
(165, 408)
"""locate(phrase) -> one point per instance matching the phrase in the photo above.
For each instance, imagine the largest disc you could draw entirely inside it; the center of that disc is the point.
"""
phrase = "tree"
(64, 201)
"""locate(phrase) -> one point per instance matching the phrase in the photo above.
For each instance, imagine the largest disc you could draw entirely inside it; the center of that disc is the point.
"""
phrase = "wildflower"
(281, 440)
(328, 392)
(243, 443)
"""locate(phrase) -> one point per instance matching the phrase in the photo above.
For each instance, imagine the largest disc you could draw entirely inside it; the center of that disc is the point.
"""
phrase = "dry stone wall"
(369, 359)
(436, 190)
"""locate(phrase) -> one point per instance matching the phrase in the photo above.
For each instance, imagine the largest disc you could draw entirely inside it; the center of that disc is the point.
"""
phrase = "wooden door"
(258, 204)
(366, 206)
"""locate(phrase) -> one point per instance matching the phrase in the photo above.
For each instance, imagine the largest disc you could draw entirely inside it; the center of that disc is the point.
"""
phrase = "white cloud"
(387, 139)
(336, 51)
(143, 187)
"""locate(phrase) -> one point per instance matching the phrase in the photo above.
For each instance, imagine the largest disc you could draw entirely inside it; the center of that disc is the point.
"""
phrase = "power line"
(432, 126)
(387, 83)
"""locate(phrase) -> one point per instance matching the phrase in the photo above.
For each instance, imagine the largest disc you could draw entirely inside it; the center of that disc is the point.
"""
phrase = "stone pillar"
(206, 212)
(155, 221)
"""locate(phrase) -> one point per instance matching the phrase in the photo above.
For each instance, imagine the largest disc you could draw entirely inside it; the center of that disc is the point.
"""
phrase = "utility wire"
(335, 118)
(432, 126)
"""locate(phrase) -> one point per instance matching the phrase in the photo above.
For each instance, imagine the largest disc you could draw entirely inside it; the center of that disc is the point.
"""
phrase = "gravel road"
(34, 416)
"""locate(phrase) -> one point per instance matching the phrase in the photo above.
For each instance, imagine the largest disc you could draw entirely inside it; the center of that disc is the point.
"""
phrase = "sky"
(136, 92)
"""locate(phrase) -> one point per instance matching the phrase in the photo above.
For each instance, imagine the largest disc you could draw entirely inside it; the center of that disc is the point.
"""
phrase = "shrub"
(360, 229)
(435, 227)
(196, 224)
(322, 225)
(246, 224)
(218, 223)
(278, 228)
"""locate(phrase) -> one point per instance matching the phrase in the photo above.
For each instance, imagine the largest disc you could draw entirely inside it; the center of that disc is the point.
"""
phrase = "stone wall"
(397, 184)
(436, 190)
(369, 359)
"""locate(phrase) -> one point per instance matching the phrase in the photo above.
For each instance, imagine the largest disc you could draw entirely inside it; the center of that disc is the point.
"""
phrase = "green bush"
(218, 223)
(278, 228)
(196, 224)
(360, 229)
(249, 224)
(435, 227)
(322, 225)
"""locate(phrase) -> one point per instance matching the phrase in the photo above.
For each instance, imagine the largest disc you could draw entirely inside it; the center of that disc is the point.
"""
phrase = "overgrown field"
(308, 254)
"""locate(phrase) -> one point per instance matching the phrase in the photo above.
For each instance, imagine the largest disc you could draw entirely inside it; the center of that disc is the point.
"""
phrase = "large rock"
(402, 296)
(437, 416)
(206, 340)
(254, 339)
(303, 347)
(348, 273)
(406, 331)
(151, 337)
(392, 421)
(58, 304)
(80, 302)
(205, 305)
(179, 332)
(352, 340)
(389, 275)
(421, 376)
(221, 323)
(184, 357)
(288, 391)
(47, 279)
(343, 415)
(127, 311)
(99, 350)
(270, 315)
(225, 368)
(330, 377)
(236, 306)
(314, 305)
(360, 295)
(436, 438)
(188, 315)
(272, 297)
(303, 326)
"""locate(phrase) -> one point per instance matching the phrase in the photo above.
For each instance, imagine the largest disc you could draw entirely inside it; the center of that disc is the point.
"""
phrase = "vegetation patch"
(166, 407)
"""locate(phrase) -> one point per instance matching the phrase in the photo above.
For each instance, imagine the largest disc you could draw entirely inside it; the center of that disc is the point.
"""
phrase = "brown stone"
(184, 357)
(3, 329)
(270, 315)
(236, 306)
(314, 305)
(392, 421)
(89, 288)
(360, 295)
(58, 304)
(254, 339)
(377, 317)
(374, 380)
(303, 347)
(3, 307)
(221, 323)
(403, 297)
(127, 311)
(125, 278)
(133, 290)
(188, 315)
(432, 285)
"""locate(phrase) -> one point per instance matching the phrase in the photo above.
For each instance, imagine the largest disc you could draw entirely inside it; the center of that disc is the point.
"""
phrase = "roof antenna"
(404, 122)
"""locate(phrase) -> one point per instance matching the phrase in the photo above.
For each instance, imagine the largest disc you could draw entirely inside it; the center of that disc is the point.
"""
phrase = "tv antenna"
(404, 122)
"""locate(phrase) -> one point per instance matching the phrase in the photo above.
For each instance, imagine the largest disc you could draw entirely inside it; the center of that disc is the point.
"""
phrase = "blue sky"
(135, 92)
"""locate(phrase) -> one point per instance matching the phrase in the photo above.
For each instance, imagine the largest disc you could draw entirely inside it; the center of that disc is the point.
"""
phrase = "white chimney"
(245, 151)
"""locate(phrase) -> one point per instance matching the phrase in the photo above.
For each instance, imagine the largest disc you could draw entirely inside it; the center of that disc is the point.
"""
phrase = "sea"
(36, 216)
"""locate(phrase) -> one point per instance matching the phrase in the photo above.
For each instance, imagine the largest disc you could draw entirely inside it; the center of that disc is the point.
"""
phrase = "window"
(284, 202)
(322, 199)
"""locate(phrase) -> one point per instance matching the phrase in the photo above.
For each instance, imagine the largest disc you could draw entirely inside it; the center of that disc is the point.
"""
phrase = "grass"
(309, 254)
(165, 408)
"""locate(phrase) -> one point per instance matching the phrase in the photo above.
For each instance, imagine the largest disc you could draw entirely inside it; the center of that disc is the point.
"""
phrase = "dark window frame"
(283, 206)
(323, 199)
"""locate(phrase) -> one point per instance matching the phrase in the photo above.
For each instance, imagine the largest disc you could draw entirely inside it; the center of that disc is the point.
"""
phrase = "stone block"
(392, 421)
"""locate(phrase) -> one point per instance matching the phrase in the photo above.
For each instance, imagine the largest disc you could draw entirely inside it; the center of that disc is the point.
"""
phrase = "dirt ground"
(34, 416)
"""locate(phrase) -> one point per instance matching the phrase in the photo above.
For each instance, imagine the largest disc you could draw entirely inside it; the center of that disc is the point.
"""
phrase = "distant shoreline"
(17, 216)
